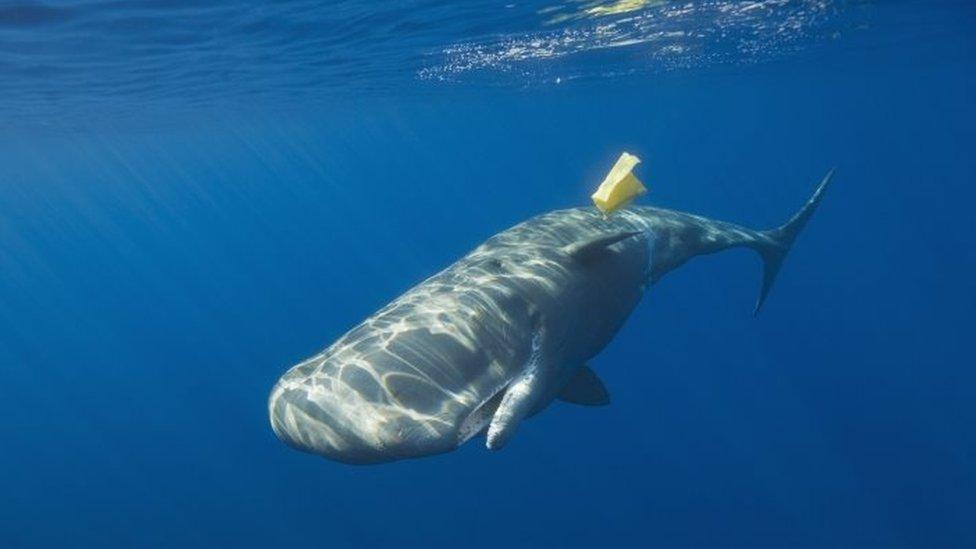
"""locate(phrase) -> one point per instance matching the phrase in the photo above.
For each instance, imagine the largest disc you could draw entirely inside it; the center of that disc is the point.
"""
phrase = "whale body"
(500, 334)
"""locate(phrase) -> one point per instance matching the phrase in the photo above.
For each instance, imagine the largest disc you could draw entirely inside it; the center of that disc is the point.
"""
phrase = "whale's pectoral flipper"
(585, 389)
(520, 397)
(588, 250)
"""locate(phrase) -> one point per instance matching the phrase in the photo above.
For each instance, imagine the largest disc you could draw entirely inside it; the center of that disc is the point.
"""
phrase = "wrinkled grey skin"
(493, 338)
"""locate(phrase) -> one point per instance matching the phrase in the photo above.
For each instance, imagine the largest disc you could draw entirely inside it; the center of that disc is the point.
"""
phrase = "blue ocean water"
(192, 199)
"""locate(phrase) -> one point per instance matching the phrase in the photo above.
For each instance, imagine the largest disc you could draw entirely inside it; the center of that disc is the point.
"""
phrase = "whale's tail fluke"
(777, 242)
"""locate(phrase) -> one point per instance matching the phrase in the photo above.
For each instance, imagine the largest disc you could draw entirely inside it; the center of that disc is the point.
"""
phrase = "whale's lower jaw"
(478, 420)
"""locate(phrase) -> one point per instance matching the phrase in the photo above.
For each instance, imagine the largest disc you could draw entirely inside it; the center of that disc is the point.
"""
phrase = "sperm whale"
(497, 336)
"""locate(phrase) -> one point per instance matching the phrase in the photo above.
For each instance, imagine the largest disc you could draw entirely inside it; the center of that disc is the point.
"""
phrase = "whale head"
(349, 416)
(388, 390)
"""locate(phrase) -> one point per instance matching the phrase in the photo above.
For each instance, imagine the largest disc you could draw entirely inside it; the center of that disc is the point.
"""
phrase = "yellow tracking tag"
(620, 186)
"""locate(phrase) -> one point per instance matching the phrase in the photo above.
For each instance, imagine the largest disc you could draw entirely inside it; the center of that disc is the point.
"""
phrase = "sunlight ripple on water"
(89, 56)
(657, 36)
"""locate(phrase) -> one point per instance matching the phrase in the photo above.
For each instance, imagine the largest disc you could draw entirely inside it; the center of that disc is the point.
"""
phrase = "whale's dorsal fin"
(585, 389)
(586, 250)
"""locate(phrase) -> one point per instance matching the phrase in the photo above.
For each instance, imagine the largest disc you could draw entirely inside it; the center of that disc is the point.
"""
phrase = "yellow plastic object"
(620, 186)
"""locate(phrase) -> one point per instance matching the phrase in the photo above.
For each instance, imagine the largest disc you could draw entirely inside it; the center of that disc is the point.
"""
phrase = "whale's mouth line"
(478, 420)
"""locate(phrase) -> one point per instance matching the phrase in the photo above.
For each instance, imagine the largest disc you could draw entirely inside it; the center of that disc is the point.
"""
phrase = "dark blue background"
(157, 280)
